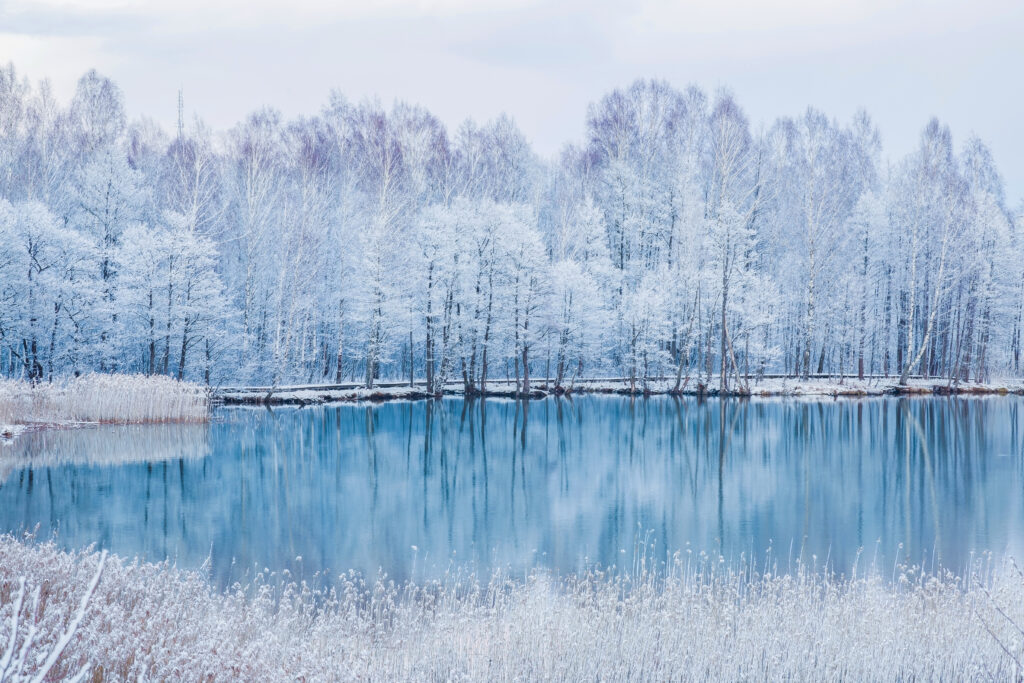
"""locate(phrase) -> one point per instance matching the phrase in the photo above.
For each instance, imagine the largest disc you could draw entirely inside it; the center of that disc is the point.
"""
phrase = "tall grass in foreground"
(698, 621)
(103, 398)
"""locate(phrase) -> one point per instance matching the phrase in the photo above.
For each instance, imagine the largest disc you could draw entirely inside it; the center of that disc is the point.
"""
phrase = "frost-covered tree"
(40, 260)
(819, 183)
(735, 192)
(526, 288)
(110, 198)
(931, 212)
(577, 320)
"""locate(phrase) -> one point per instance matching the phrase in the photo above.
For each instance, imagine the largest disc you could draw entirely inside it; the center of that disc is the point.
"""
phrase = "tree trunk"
(184, 348)
(526, 370)
(723, 383)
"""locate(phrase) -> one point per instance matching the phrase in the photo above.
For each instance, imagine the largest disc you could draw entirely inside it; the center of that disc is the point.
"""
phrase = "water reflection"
(103, 445)
(120, 487)
(556, 482)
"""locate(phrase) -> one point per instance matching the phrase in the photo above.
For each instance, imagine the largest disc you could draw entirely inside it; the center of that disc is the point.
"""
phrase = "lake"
(415, 488)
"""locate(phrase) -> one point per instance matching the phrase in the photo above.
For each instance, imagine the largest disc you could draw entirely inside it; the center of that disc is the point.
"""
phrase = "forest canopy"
(363, 242)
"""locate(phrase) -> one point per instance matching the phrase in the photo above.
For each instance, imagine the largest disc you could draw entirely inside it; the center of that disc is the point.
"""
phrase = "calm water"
(414, 487)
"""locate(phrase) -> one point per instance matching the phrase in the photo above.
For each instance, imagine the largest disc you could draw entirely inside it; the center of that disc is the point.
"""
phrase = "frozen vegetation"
(677, 248)
(98, 398)
(698, 621)
(676, 240)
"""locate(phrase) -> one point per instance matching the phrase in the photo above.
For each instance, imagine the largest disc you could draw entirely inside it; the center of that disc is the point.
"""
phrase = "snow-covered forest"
(362, 243)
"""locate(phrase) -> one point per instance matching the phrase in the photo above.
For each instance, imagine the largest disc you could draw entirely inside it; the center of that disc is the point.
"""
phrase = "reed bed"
(698, 620)
(103, 398)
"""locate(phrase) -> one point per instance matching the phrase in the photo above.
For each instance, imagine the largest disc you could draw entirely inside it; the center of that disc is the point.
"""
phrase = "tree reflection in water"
(559, 482)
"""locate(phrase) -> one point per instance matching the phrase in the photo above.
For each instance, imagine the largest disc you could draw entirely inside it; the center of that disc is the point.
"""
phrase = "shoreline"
(770, 388)
(820, 388)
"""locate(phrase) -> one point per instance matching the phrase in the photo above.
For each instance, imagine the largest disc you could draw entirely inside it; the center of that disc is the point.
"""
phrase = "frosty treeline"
(366, 243)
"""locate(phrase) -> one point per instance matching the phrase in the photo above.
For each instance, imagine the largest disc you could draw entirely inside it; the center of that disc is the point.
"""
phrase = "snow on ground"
(285, 395)
(851, 386)
(698, 621)
(768, 387)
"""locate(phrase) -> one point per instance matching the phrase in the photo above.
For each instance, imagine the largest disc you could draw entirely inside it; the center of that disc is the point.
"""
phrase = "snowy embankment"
(305, 395)
(765, 387)
(700, 622)
(97, 398)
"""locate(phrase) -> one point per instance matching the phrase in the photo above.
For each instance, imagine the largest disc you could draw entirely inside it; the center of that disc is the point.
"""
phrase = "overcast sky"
(544, 62)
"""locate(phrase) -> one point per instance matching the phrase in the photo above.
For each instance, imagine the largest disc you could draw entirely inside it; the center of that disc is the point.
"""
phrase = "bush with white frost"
(103, 398)
(696, 621)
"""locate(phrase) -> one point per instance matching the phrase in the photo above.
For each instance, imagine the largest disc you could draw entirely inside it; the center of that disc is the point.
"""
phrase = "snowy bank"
(312, 395)
(765, 387)
(99, 398)
(698, 622)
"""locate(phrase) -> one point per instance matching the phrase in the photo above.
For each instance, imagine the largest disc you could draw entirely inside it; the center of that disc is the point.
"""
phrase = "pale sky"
(543, 63)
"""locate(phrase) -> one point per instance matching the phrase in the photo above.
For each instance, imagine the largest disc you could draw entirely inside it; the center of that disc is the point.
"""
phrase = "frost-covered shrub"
(36, 638)
(103, 398)
(697, 621)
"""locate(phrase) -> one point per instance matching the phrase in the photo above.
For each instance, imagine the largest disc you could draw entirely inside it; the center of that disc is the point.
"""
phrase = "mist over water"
(415, 488)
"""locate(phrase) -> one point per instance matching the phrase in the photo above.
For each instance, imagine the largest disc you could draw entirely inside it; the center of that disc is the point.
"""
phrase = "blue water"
(415, 488)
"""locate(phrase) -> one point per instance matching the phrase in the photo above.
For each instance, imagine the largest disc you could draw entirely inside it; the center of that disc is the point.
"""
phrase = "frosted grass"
(698, 621)
(103, 398)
